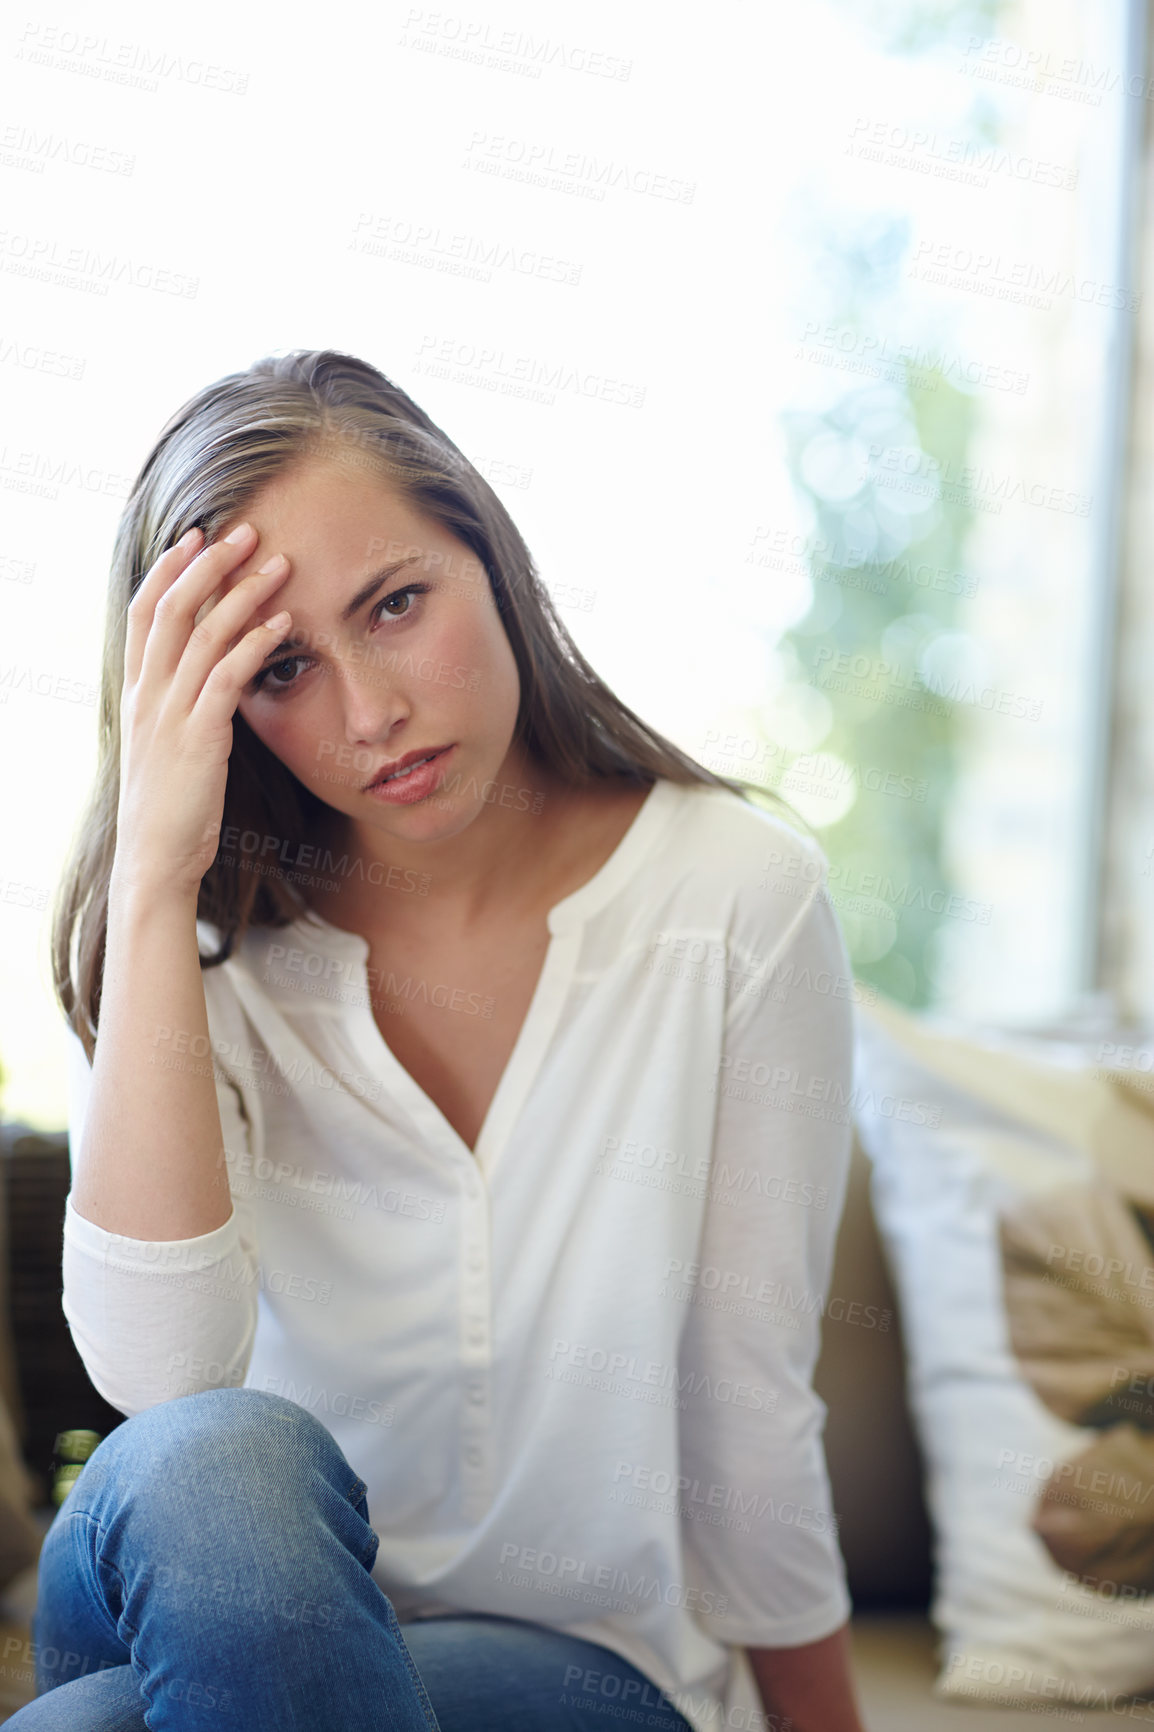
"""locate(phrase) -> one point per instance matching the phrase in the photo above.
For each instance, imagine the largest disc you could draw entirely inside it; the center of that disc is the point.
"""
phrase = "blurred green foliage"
(880, 469)
(888, 571)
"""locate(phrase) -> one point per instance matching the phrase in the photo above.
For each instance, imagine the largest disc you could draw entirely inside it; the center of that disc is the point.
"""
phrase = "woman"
(445, 1184)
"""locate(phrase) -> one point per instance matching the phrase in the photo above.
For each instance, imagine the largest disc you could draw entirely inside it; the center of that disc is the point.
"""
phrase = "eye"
(280, 686)
(261, 679)
(410, 589)
(399, 595)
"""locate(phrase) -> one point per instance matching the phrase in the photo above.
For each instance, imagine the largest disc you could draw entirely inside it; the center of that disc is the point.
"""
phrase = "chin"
(435, 808)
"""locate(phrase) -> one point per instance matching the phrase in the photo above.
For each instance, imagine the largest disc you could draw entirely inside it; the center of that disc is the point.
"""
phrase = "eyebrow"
(366, 593)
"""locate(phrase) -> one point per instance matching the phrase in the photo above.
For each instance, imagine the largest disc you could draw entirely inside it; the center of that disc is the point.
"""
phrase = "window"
(961, 296)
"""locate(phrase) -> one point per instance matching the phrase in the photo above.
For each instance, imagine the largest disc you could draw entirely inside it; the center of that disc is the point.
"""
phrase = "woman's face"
(420, 664)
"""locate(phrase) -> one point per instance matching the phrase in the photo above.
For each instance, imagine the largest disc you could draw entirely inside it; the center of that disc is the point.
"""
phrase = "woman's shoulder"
(735, 837)
(764, 879)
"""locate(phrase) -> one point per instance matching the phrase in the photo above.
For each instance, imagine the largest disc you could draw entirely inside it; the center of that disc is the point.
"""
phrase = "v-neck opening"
(565, 920)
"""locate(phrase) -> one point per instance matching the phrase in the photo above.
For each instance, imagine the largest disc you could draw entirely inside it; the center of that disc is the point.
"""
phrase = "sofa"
(876, 1476)
(875, 1468)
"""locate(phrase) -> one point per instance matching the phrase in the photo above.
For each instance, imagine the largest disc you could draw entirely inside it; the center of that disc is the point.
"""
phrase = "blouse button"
(473, 1457)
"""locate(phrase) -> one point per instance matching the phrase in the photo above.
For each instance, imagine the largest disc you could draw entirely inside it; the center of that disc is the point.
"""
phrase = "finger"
(227, 678)
(164, 572)
(175, 608)
(214, 635)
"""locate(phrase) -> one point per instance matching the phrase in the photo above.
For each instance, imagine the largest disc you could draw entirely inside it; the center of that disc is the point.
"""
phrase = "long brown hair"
(211, 460)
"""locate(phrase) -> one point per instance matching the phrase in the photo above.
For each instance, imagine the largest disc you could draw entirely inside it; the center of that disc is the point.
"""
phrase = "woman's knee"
(215, 1434)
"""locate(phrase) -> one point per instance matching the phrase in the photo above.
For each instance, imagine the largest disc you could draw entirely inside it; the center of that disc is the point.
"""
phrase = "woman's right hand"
(182, 684)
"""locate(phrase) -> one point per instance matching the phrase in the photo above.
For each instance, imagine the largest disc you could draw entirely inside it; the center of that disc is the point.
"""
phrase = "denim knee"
(192, 1440)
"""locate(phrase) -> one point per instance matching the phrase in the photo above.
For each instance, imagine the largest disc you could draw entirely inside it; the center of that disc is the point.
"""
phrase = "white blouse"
(574, 1368)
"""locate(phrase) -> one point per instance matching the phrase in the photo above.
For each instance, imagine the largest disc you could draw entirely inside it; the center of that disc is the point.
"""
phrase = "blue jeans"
(209, 1569)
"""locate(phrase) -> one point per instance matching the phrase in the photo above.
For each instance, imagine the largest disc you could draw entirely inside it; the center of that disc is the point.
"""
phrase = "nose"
(372, 703)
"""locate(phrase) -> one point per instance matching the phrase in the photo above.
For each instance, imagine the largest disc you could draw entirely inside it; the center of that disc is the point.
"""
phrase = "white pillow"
(1007, 1183)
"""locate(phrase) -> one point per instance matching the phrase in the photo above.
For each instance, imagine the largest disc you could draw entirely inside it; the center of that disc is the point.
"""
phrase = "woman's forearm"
(150, 1163)
(810, 1689)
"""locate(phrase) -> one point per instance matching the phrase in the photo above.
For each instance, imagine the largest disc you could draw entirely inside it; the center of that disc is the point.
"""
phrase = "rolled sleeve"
(154, 1318)
(760, 1533)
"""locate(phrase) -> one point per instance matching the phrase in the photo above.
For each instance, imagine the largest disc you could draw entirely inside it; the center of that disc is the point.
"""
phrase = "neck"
(493, 863)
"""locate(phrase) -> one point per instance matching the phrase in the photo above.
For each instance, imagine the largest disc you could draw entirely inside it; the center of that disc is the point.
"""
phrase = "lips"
(390, 771)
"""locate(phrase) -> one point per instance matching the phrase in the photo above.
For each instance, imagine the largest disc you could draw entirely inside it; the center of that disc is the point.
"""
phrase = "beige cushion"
(874, 1463)
(1020, 1133)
